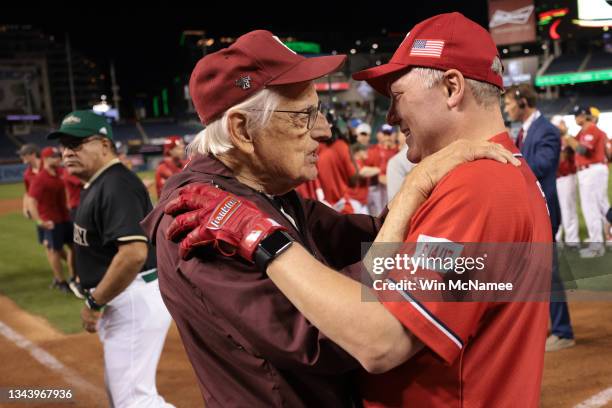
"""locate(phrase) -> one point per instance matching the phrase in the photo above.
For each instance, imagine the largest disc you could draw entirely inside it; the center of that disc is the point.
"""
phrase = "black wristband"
(91, 302)
(271, 247)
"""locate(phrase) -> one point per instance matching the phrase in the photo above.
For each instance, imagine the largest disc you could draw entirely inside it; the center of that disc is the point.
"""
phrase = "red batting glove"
(194, 197)
(229, 223)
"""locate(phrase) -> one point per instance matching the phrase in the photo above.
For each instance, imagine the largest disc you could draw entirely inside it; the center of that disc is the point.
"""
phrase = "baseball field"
(42, 344)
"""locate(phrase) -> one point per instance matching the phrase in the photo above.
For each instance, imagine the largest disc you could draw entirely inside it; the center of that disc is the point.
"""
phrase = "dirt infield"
(82, 354)
(570, 377)
(13, 205)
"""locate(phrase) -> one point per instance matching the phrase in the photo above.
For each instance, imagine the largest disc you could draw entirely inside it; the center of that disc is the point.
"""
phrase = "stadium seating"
(599, 60)
(566, 63)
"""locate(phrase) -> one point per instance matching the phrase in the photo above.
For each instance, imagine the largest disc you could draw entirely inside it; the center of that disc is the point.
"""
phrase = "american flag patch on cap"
(427, 48)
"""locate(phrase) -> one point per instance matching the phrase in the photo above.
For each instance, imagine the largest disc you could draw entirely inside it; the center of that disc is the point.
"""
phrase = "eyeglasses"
(312, 113)
(76, 144)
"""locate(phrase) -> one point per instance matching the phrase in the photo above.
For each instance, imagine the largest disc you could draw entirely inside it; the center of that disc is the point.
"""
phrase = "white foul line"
(47, 360)
(597, 400)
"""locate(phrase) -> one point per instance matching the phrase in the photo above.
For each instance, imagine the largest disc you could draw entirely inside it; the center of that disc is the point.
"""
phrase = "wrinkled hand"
(206, 215)
(90, 319)
(424, 177)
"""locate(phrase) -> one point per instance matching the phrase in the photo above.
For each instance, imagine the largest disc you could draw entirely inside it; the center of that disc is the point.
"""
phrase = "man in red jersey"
(50, 211)
(432, 353)
(30, 155)
(442, 89)
(592, 163)
(339, 172)
(173, 162)
(566, 187)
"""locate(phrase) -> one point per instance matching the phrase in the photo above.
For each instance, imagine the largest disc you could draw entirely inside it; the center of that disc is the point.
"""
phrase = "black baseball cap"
(580, 109)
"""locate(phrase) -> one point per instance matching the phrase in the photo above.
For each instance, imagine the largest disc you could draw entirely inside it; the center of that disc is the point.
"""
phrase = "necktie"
(519, 138)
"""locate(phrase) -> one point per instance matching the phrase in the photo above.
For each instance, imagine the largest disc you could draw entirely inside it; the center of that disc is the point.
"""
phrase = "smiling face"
(285, 151)
(420, 113)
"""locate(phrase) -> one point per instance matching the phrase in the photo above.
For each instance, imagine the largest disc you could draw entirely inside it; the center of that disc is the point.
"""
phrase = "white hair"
(215, 139)
(484, 93)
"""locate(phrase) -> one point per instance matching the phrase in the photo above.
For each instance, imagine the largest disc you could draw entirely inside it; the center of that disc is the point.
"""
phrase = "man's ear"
(238, 133)
(454, 84)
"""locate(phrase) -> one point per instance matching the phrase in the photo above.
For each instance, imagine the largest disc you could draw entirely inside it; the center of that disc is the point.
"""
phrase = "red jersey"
(165, 169)
(594, 139)
(360, 191)
(379, 156)
(309, 189)
(28, 177)
(73, 185)
(335, 169)
(567, 166)
(477, 354)
(50, 194)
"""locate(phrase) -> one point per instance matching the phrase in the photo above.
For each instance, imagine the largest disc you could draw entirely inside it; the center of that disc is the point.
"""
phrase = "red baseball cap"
(446, 41)
(50, 152)
(256, 60)
(171, 142)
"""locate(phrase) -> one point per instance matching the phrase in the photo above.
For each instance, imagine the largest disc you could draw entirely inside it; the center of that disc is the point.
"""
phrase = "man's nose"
(392, 117)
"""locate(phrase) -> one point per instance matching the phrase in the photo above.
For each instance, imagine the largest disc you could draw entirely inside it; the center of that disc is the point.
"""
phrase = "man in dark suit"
(540, 144)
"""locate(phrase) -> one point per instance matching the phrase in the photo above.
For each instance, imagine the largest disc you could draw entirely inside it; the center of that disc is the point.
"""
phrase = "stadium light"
(101, 107)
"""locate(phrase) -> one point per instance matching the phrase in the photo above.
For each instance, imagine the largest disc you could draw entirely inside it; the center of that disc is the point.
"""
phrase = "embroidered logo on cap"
(427, 48)
(103, 131)
(244, 82)
(71, 120)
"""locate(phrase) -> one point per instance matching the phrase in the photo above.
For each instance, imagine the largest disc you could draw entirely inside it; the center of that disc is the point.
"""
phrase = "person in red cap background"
(172, 163)
(50, 211)
(248, 343)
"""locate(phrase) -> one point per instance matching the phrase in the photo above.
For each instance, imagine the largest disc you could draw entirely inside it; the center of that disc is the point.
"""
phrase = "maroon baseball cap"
(256, 60)
(446, 41)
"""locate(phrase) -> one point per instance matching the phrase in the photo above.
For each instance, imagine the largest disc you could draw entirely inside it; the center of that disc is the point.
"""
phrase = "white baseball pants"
(593, 183)
(566, 190)
(133, 329)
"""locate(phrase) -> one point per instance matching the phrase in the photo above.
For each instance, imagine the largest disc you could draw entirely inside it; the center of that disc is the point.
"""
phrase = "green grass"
(588, 274)
(25, 275)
